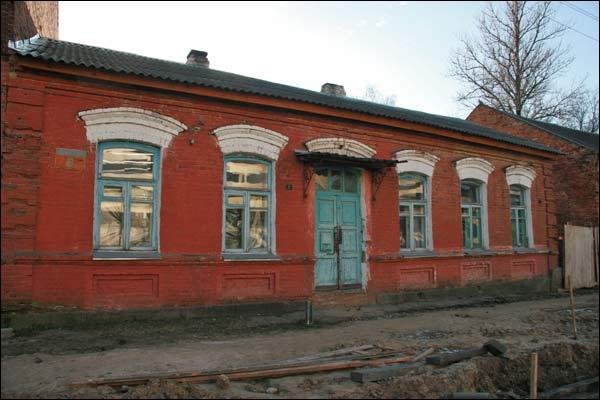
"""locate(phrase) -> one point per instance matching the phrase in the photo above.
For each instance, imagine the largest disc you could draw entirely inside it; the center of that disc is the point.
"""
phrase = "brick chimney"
(199, 58)
(333, 89)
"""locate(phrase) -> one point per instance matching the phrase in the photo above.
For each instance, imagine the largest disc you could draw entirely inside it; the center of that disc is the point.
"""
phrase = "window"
(472, 214)
(247, 208)
(518, 216)
(413, 211)
(127, 191)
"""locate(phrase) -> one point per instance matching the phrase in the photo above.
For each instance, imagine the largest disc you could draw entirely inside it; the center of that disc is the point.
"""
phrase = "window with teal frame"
(518, 216)
(413, 211)
(247, 198)
(127, 196)
(472, 214)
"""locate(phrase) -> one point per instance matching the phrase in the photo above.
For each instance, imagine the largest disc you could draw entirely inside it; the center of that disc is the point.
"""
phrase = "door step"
(350, 297)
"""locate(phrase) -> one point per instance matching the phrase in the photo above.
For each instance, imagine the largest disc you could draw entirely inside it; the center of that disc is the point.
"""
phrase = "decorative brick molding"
(128, 123)
(250, 139)
(519, 175)
(345, 147)
(416, 161)
(474, 168)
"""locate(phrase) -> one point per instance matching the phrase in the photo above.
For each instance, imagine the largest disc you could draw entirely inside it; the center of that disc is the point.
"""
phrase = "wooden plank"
(381, 373)
(377, 359)
(533, 381)
(288, 371)
(596, 246)
(585, 385)
(423, 354)
(450, 358)
(579, 256)
(335, 353)
(572, 307)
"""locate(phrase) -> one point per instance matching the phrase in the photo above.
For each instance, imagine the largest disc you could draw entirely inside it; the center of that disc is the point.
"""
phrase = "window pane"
(466, 225)
(476, 222)
(405, 210)
(419, 209)
(111, 224)
(141, 225)
(516, 196)
(321, 179)
(412, 187)
(523, 233)
(235, 200)
(515, 233)
(142, 192)
(258, 230)
(247, 175)
(521, 213)
(113, 191)
(350, 182)
(404, 233)
(123, 163)
(234, 228)
(419, 231)
(336, 180)
(469, 192)
(258, 201)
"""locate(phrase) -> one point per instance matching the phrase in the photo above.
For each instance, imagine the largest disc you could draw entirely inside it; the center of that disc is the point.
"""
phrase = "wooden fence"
(581, 256)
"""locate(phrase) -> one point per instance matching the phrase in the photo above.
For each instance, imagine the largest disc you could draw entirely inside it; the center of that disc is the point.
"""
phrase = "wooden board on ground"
(381, 373)
(580, 256)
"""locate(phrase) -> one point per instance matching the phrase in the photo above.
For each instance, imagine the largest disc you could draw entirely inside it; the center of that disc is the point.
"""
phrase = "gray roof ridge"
(218, 79)
(540, 125)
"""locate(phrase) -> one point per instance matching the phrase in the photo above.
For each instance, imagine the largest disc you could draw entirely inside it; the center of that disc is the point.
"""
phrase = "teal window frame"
(246, 194)
(519, 216)
(126, 185)
(410, 215)
(468, 209)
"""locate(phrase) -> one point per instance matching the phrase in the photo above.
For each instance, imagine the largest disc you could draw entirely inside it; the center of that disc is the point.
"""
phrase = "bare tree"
(374, 95)
(514, 64)
(583, 113)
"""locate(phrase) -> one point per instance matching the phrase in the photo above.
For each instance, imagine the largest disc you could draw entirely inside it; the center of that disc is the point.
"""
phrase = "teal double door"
(338, 228)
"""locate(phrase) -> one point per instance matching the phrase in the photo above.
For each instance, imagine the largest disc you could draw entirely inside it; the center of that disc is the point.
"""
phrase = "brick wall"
(575, 173)
(47, 207)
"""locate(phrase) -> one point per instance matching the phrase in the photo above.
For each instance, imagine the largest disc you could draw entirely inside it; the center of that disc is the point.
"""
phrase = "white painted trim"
(343, 146)
(520, 175)
(529, 218)
(249, 139)
(474, 168)
(416, 161)
(484, 204)
(127, 123)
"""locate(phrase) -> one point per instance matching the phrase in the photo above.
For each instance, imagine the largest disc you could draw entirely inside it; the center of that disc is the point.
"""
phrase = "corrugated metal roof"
(116, 61)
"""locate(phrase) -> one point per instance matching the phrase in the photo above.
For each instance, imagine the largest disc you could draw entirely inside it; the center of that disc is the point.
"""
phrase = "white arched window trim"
(342, 146)
(127, 123)
(524, 177)
(478, 169)
(474, 168)
(520, 175)
(423, 163)
(250, 139)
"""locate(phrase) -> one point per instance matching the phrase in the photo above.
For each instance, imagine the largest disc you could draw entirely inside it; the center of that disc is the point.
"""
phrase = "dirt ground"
(43, 364)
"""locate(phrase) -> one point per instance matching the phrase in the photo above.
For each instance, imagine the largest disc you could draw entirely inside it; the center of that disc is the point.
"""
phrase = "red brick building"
(135, 182)
(575, 171)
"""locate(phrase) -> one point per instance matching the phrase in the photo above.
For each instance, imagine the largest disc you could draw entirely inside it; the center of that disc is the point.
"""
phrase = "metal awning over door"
(377, 166)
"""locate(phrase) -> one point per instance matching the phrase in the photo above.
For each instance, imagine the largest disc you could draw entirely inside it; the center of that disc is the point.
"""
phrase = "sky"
(403, 48)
